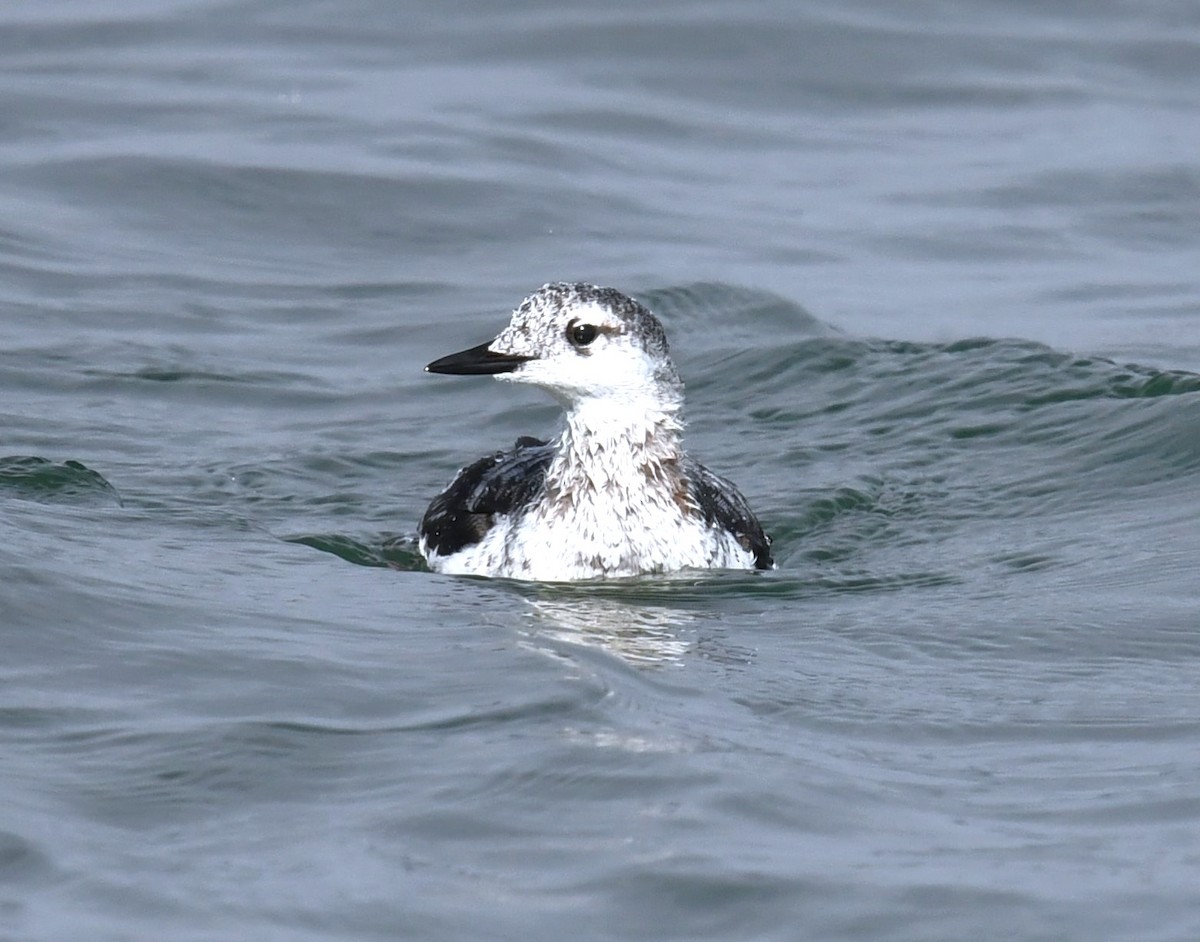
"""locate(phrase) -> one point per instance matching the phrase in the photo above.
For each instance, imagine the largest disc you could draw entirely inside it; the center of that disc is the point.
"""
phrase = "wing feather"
(500, 484)
(722, 504)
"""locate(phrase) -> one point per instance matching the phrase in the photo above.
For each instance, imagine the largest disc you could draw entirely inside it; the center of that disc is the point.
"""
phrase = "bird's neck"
(608, 447)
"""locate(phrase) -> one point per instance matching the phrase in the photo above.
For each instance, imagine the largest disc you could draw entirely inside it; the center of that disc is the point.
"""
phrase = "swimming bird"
(614, 494)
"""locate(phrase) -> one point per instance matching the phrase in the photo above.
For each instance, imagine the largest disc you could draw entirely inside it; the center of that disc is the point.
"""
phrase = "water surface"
(929, 274)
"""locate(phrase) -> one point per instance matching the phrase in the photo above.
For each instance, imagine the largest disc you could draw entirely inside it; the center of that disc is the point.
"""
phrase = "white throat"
(620, 447)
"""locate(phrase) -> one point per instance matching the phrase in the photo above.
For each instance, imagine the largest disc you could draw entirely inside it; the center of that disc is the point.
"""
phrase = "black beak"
(478, 361)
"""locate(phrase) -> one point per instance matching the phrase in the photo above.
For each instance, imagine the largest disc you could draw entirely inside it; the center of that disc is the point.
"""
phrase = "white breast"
(595, 541)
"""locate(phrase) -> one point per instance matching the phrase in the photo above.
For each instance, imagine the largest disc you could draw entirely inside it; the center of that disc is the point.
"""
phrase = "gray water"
(931, 274)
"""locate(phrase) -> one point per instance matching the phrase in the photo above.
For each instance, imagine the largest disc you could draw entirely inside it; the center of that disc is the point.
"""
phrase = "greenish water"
(929, 277)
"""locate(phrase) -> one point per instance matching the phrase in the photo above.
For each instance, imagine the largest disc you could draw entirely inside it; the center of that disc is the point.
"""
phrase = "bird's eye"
(581, 335)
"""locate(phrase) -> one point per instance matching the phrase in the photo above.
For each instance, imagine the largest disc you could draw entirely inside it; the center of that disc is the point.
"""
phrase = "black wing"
(498, 484)
(723, 505)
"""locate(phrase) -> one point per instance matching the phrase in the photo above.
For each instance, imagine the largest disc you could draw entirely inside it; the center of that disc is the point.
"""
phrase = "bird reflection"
(637, 633)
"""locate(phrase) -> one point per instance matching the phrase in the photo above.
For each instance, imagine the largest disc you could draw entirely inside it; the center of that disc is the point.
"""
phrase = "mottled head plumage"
(535, 317)
(620, 333)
